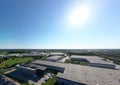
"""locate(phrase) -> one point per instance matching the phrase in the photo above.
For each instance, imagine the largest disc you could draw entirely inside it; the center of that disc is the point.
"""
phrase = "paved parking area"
(39, 82)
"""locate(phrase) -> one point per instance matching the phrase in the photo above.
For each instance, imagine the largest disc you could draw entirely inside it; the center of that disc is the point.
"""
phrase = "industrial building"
(23, 55)
(2, 56)
(26, 54)
(51, 65)
(56, 54)
(95, 61)
(31, 70)
(71, 74)
(13, 55)
(7, 81)
(54, 58)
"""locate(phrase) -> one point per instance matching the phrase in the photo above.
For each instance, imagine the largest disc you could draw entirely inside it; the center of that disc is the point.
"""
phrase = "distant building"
(56, 54)
(28, 55)
(2, 56)
(54, 58)
(13, 55)
(95, 61)
(43, 53)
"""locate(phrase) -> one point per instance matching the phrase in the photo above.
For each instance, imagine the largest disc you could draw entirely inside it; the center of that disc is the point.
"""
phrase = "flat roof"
(38, 67)
(25, 67)
(54, 57)
(93, 59)
(91, 75)
(2, 55)
(85, 74)
(32, 67)
(61, 65)
(56, 53)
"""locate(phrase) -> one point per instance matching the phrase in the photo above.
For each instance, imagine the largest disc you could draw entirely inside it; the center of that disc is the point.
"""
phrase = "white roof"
(91, 75)
(85, 74)
(93, 59)
(54, 57)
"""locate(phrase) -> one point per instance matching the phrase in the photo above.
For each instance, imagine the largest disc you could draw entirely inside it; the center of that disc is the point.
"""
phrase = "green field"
(13, 61)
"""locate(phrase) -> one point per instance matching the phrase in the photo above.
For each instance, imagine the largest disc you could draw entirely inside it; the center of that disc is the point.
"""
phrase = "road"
(63, 60)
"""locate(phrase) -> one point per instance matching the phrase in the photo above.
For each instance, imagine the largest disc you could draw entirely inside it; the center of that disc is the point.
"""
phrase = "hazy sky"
(60, 24)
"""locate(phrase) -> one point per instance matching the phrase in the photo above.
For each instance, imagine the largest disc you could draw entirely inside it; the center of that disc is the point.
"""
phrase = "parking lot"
(41, 80)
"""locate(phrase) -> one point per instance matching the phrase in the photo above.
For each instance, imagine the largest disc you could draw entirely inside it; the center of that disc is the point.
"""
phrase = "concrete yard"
(40, 81)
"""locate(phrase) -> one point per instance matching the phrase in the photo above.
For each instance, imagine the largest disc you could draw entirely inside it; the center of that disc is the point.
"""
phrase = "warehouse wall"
(61, 81)
(103, 65)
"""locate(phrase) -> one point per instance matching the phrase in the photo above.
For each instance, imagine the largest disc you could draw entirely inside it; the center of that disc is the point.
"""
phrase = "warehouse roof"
(25, 67)
(32, 67)
(38, 67)
(85, 74)
(2, 55)
(57, 54)
(54, 57)
(62, 65)
(93, 59)
(90, 75)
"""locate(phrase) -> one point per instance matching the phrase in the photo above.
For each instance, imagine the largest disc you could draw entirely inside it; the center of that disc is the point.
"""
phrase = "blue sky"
(60, 24)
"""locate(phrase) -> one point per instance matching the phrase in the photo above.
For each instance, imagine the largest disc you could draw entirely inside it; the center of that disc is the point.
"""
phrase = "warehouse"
(2, 56)
(56, 54)
(95, 61)
(54, 58)
(85, 75)
(26, 70)
(31, 70)
(82, 75)
(51, 65)
(30, 54)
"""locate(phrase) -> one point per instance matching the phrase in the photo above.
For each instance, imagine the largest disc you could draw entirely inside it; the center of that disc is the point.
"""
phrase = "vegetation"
(4, 53)
(13, 61)
(51, 81)
(2, 60)
(44, 57)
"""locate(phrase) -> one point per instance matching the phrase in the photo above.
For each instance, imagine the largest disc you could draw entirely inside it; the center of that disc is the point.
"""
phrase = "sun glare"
(79, 15)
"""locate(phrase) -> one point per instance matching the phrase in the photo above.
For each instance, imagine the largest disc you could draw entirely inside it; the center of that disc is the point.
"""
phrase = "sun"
(79, 16)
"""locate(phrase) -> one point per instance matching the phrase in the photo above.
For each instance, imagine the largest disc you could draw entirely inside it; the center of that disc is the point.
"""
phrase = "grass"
(13, 61)
(50, 81)
(44, 57)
